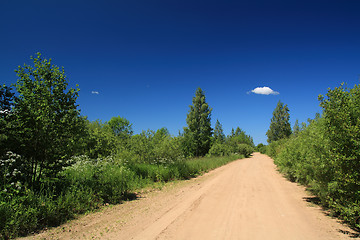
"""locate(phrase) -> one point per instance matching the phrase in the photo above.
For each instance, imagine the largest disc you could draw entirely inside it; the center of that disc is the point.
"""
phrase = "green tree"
(240, 137)
(100, 140)
(47, 117)
(219, 136)
(121, 127)
(280, 125)
(197, 135)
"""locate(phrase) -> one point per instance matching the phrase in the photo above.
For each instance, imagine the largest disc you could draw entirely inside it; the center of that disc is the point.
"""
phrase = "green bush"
(110, 181)
(244, 149)
(219, 149)
(325, 155)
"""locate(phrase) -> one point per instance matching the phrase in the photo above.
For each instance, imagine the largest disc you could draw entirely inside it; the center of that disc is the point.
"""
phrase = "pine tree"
(279, 126)
(197, 135)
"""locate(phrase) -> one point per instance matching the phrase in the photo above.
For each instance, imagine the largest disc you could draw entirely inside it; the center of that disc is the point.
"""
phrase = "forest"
(56, 164)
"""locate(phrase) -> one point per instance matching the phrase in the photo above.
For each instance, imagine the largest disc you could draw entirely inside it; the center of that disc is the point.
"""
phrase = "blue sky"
(143, 60)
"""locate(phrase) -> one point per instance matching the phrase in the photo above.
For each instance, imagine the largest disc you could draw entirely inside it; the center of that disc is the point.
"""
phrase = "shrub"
(219, 149)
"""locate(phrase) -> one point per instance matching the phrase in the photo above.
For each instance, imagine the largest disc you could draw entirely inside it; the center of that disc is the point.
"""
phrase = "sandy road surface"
(246, 199)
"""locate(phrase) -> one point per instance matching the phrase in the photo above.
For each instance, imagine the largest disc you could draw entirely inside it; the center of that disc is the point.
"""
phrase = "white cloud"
(95, 92)
(264, 91)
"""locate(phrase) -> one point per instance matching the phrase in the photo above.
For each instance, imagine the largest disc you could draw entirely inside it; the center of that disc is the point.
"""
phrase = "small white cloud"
(264, 91)
(95, 92)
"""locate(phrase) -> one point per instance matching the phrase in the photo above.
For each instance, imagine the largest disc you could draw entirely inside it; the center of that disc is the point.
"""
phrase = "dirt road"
(246, 199)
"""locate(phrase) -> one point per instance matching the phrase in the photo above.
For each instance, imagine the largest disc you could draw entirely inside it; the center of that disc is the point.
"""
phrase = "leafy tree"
(279, 127)
(47, 116)
(100, 141)
(197, 135)
(219, 135)
(121, 127)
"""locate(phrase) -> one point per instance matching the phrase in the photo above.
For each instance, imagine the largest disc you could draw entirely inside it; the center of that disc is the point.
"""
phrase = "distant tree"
(121, 127)
(49, 123)
(232, 132)
(219, 136)
(238, 131)
(279, 126)
(240, 137)
(296, 128)
(197, 135)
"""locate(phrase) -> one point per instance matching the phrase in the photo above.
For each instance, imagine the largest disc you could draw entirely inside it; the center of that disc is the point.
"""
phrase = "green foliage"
(99, 140)
(342, 126)
(47, 119)
(325, 154)
(88, 184)
(296, 128)
(220, 149)
(244, 150)
(55, 164)
(6, 117)
(219, 136)
(154, 147)
(109, 179)
(121, 127)
(261, 148)
(30, 211)
(237, 143)
(240, 137)
(279, 126)
(197, 135)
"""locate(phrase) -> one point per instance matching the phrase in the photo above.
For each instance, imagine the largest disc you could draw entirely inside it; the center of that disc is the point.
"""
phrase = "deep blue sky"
(146, 58)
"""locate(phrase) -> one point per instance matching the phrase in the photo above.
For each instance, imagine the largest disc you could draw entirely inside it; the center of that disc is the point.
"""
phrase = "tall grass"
(87, 185)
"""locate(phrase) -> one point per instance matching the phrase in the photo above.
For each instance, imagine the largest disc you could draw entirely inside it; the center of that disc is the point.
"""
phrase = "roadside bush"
(219, 149)
(275, 147)
(325, 155)
(110, 181)
(244, 149)
(261, 148)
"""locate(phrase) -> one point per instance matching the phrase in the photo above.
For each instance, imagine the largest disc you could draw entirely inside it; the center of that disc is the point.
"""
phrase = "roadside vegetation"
(56, 164)
(324, 154)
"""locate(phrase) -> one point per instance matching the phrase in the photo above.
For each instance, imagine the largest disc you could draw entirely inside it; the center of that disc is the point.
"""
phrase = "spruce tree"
(279, 126)
(197, 135)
